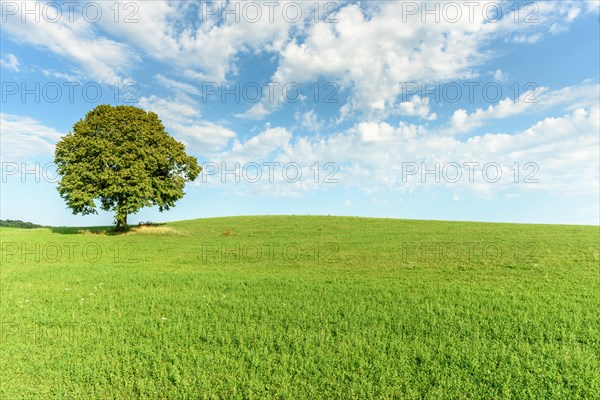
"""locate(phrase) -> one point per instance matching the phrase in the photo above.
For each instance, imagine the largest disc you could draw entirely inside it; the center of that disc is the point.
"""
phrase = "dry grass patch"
(154, 230)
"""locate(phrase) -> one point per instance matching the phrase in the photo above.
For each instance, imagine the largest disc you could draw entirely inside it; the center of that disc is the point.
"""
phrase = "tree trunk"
(121, 221)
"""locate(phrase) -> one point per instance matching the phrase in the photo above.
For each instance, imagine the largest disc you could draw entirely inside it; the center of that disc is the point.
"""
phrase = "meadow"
(301, 307)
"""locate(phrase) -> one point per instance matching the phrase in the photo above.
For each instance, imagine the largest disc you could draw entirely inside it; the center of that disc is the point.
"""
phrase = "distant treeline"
(10, 223)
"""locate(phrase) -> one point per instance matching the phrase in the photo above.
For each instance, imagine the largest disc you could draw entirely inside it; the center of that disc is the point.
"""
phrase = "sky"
(474, 110)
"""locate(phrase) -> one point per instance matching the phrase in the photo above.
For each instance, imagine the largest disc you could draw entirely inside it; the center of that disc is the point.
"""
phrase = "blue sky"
(335, 108)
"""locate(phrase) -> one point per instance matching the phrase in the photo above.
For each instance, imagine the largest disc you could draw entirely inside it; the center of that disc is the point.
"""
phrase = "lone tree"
(122, 156)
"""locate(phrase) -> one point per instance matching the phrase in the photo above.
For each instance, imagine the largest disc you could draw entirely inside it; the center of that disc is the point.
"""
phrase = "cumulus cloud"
(102, 59)
(369, 49)
(24, 137)
(203, 39)
(539, 98)
(416, 107)
(259, 147)
(181, 117)
(375, 47)
(499, 75)
(10, 62)
(176, 86)
(369, 52)
(557, 155)
(309, 120)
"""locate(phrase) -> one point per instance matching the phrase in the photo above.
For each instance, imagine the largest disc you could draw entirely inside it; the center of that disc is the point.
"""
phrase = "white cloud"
(372, 155)
(262, 165)
(524, 38)
(205, 136)
(10, 62)
(176, 110)
(417, 107)
(568, 14)
(256, 112)
(259, 147)
(309, 120)
(499, 75)
(375, 132)
(74, 77)
(176, 86)
(24, 137)
(199, 76)
(370, 50)
(102, 59)
(375, 47)
(593, 7)
(571, 97)
(368, 53)
(181, 117)
(206, 48)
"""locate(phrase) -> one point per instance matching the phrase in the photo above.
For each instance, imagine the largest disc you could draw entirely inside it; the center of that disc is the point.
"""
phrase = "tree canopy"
(123, 157)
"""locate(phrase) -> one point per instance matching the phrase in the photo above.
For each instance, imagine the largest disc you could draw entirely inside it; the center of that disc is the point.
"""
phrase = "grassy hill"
(301, 307)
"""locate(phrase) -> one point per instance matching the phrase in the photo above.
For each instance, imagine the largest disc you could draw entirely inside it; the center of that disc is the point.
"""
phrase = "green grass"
(302, 307)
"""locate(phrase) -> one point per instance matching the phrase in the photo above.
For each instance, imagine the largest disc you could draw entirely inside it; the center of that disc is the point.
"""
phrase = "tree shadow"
(99, 230)
(89, 230)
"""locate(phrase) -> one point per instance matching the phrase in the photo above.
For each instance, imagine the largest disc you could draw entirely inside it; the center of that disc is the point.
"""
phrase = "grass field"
(302, 307)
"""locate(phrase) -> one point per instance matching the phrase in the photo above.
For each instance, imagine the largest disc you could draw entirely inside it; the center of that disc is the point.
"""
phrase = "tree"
(122, 156)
